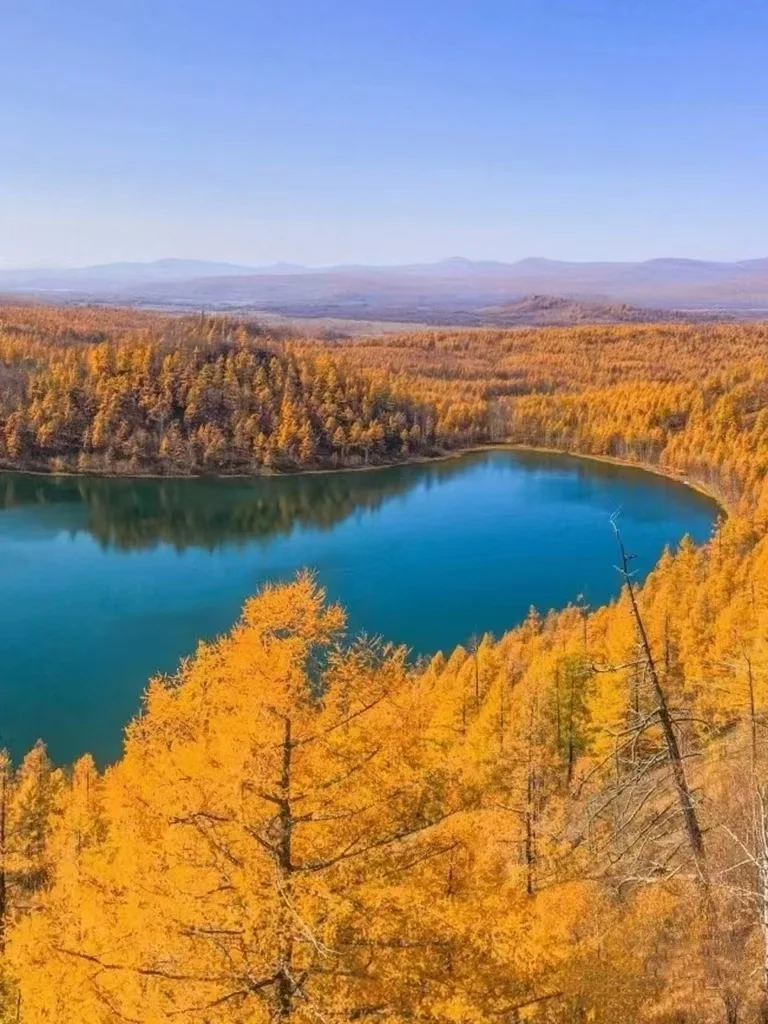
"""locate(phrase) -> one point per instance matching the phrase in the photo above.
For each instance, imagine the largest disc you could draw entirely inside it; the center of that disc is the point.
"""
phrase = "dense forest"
(564, 825)
(193, 395)
(688, 398)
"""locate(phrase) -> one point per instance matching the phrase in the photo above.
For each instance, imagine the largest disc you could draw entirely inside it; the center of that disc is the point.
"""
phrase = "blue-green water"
(106, 582)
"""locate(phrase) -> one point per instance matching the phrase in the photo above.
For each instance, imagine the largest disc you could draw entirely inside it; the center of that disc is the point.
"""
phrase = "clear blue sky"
(322, 131)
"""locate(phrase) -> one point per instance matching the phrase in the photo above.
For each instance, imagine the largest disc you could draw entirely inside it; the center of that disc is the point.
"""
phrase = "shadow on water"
(137, 514)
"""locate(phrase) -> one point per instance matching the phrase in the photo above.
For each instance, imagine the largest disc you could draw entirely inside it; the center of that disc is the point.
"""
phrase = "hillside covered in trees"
(110, 390)
(563, 825)
(184, 396)
(688, 399)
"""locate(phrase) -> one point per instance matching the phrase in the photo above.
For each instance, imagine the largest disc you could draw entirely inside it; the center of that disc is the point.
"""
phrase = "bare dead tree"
(664, 715)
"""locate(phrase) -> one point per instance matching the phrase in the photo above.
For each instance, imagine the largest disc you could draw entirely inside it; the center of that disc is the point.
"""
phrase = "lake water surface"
(106, 582)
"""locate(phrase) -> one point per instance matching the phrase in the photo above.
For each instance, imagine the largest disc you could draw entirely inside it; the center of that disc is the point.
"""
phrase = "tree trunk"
(571, 743)
(764, 930)
(284, 976)
(752, 713)
(690, 818)
(530, 814)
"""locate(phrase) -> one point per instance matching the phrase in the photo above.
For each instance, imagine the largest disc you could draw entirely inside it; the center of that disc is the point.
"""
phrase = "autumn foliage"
(191, 396)
(564, 825)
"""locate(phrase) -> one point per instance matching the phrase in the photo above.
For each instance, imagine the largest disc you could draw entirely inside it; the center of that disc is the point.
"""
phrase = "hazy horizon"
(327, 267)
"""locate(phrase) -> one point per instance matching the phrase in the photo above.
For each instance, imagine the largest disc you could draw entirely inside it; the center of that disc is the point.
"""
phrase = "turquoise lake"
(104, 583)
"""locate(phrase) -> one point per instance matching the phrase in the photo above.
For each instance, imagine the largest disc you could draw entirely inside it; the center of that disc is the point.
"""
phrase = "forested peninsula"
(565, 824)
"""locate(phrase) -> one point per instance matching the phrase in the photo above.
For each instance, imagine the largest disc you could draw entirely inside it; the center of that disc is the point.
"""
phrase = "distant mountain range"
(451, 291)
(128, 275)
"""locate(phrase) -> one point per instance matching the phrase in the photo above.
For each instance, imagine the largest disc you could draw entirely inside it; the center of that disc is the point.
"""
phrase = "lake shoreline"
(423, 557)
(644, 467)
(420, 460)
